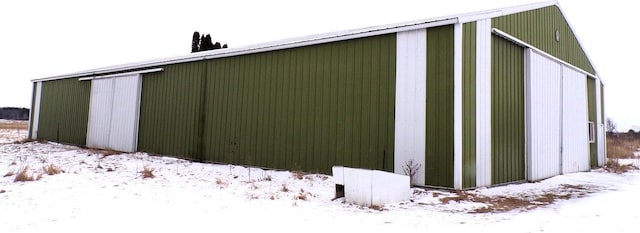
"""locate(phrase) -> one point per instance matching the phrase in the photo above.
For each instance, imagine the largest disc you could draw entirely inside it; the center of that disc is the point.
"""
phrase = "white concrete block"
(338, 174)
(389, 188)
(357, 186)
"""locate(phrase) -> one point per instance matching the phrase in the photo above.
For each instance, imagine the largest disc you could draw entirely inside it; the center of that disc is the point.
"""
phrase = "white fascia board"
(527, 45)
(277, 45)
(475, 16)
(122, 74)
(578, 39)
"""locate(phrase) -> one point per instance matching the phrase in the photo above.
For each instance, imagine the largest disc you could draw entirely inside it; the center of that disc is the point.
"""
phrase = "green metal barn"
(478, 99)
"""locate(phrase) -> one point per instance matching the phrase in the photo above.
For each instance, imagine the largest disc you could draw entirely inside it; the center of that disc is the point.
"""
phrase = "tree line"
(10, 113)
(203, 42)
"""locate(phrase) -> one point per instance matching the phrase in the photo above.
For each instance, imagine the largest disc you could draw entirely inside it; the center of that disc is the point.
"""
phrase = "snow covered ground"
(98, 192)
(11, 131)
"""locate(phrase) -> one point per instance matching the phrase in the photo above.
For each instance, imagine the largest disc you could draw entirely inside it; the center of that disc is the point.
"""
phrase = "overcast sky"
(46, 38)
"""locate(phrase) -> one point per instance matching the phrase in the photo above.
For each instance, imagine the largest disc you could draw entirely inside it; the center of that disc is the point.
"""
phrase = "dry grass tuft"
(614, 166)
(52, 170)
(377, 207)
(10, 173)
(302, 195)
(266, 178)
(500, 204)
(147, 172)
(297, 174)
(23, 175)
(104, 153)
(284, 188)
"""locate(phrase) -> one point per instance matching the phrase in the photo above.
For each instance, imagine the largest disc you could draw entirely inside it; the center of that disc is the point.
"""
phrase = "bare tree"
(611, 126)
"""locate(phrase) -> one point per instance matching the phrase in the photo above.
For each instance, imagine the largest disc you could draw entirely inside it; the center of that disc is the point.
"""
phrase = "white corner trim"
(483, 103)
(527, 45)
(457, 106)
(122, 74)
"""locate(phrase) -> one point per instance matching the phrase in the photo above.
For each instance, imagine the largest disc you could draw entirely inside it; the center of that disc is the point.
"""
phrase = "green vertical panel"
(439, 116)
(507, 111)
(538, 28)
(469, 105)
(591, 98)
(64, 111)
(303, 108)
(170, 111)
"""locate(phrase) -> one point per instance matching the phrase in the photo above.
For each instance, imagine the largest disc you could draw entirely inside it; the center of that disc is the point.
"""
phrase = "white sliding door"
(114, 112)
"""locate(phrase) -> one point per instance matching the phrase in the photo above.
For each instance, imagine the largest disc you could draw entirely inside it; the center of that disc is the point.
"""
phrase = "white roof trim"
(122, 74)
(311, 40)
(543, 53)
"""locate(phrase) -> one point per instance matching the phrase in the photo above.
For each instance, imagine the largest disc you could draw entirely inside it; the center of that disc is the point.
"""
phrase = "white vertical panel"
(457, 106)
(575, 138)
(600, 124)
(410, 112)
(124, 116)
(36, 111)
(100, 105)
(483, 103)
(543, 114)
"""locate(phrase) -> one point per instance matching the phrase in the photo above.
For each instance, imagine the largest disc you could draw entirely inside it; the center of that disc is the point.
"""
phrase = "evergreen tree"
(225, 46)
(208, 43)
(202, 44)
(195, 42)
(217, 45)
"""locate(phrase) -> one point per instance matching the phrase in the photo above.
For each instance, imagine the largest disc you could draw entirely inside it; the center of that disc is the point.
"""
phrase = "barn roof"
(308, 40)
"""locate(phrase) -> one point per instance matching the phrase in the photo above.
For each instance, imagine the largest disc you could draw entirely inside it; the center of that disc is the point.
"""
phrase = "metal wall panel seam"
(457, 106)
(483, 103)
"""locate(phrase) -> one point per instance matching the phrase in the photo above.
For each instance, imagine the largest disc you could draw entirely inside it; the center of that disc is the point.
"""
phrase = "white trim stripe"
(483, 103)
(410, 111)
(457, 106)
(123, 74)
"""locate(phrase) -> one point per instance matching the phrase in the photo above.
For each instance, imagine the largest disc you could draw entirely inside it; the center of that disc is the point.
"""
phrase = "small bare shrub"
(52, 170)
(147, 172)
(284, 188)
(411, 168)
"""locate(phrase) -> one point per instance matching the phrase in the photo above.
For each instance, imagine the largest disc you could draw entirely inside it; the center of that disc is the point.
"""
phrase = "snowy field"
(96, 191)
(11, 131)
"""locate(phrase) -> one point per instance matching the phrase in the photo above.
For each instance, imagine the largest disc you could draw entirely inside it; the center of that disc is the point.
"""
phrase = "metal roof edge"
(310, 40)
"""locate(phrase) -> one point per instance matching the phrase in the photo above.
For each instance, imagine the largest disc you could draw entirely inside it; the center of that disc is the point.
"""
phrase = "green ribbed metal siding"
(170, 108)
(306, 108)
(538, 28)
(507, 111)
(591, 98)
(469, 105)
(64, 109)
(439, 122)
